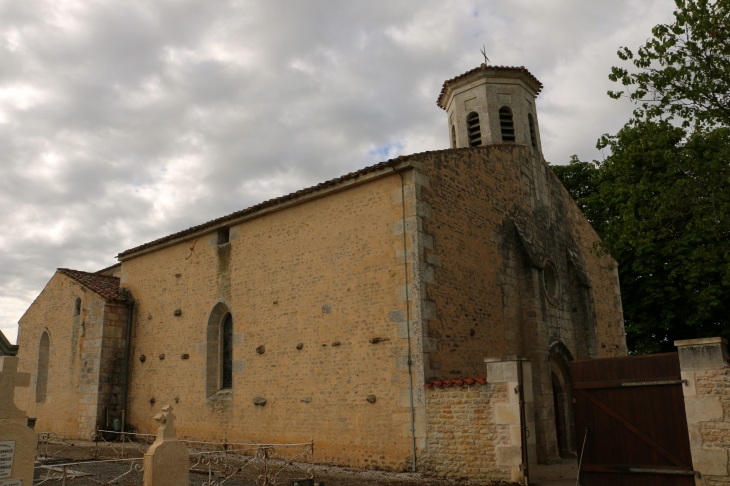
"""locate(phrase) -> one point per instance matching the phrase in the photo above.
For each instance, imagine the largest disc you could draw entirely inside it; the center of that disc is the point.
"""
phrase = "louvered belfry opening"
(506, 124)
(533, 136)
(227, 345)
(475, 131)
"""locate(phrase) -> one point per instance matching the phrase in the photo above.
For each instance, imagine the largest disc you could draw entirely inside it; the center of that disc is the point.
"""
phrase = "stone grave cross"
(9, 379)
(166, 462)
(166, 430)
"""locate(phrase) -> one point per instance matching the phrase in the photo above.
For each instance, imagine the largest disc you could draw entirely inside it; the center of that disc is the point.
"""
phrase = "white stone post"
(17, 441)
(506, 369)
(705, 365)
(166, 461)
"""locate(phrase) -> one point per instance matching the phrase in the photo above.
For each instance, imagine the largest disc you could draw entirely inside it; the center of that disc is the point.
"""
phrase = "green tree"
(661, 204)
(579, 178)
(683, 71)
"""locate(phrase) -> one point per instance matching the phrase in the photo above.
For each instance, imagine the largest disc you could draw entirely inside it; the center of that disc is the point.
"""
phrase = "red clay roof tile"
(107, 287)
(457, 381)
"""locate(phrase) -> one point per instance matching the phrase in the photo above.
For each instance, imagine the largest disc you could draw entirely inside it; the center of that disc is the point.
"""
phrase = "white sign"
(11, 482)
(7, 452)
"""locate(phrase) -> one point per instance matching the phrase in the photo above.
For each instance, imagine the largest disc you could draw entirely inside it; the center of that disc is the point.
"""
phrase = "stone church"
(353, 312)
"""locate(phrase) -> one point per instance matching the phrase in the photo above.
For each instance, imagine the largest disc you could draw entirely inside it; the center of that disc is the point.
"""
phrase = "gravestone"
(17, 442)
(166, 461)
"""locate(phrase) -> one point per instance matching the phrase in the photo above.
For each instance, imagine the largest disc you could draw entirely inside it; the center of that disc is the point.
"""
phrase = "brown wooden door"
(633, 409)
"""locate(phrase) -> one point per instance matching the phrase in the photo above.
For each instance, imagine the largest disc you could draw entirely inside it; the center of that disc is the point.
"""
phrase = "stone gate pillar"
(517, 413)
(705, 366)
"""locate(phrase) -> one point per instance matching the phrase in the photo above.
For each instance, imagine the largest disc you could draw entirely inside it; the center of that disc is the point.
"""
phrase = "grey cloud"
(124, 121)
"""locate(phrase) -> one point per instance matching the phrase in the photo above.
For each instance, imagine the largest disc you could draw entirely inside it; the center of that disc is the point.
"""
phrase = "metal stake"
(577, 483)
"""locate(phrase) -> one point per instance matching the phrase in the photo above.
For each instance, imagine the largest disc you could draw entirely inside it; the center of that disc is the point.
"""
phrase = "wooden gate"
(633, 410)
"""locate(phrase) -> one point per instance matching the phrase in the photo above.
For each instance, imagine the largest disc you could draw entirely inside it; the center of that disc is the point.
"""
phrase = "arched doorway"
(560, 358)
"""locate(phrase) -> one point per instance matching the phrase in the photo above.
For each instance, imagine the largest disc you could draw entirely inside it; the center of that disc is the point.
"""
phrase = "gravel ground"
(84, 471)
(563, 473)
(93, 474)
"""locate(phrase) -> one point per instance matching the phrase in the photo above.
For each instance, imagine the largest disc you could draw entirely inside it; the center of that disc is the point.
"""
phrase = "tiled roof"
(458, 381)
(491, 68)
(294, 195)
(107, 287)
(265, 204)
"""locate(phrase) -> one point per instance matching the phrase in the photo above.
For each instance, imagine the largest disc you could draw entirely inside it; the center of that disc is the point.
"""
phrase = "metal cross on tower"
(484, 53)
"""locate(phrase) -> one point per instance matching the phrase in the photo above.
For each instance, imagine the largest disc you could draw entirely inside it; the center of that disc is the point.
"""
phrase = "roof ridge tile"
(471, 380)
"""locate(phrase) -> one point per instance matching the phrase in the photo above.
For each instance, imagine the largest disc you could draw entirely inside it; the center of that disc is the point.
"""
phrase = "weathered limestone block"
(704, 365)
(17, 441)
(166, 461)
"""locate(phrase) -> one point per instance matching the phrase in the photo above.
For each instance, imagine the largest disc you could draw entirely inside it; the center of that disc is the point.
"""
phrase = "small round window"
(550, 280)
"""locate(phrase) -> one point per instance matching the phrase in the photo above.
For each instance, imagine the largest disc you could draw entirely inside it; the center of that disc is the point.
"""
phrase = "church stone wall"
(71, 405)
(464, 434)
(326, 274)
(499, 221)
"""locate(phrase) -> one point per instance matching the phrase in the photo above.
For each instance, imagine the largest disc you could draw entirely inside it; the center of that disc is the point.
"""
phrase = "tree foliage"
(661, 204)
(661, 200)
(683, 71)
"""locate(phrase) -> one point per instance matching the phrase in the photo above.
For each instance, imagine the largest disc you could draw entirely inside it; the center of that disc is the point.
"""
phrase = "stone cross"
(14, 424)
(9, 379)
(166, 431)
(166, 462)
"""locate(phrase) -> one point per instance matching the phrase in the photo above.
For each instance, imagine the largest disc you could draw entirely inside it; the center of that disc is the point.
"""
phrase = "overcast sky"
(122, 121)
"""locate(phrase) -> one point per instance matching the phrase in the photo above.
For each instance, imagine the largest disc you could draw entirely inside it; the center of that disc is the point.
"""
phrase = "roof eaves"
(104, 285)
(484, 67)
(271, 203)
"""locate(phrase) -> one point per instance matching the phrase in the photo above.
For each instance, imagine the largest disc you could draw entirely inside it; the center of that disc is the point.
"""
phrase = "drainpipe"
(408, 312)
(125, 372)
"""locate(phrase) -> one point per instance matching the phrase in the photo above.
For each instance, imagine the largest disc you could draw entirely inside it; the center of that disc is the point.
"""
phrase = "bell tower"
(490, 105)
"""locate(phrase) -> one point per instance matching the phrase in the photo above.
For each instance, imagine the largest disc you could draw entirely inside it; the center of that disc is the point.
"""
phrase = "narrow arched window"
(453, 136)
(475, 131)
(227, 353)
(44, 352)
(506, 124)
(533, 136)
(77, 306)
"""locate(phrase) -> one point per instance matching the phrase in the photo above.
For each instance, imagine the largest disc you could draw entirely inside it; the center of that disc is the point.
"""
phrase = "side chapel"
(336, 312)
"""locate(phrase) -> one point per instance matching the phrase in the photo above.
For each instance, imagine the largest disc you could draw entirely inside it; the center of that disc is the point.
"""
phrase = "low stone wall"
(704, 364)
(473, 425)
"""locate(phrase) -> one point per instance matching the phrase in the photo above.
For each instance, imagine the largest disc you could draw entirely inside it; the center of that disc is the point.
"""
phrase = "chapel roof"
(104, 285)
(271, 202)
(484, 67)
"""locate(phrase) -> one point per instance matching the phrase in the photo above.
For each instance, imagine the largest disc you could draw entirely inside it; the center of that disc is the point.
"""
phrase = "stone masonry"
(85, 357)
(474, 424)
(706, 368)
